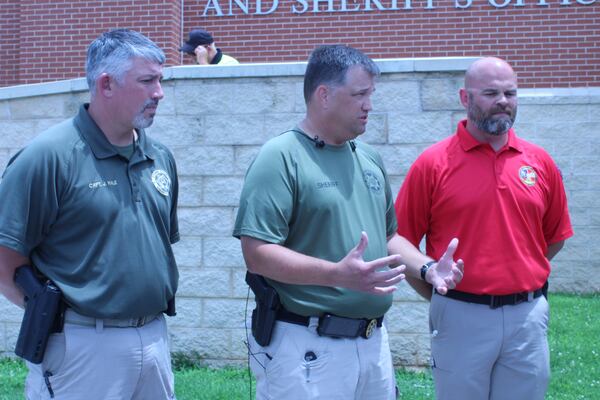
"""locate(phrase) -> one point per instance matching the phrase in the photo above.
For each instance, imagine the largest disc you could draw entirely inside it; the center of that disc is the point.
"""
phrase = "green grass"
(212, 384)
(12, 377)
(574, 347)
(414, 385)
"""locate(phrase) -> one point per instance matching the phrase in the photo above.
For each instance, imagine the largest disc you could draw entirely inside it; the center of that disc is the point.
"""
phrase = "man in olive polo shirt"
(92, 204)
(316, 219)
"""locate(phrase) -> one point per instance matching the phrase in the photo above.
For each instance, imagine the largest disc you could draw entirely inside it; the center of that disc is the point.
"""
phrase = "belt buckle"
(370, 328)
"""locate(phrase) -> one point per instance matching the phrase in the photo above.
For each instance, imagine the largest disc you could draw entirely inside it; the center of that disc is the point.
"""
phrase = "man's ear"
(464, 97)
(105, 85)
(322, 94)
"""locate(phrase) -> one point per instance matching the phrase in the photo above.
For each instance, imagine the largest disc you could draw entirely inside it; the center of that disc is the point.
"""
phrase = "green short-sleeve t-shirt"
(98, 225)
(316, 201)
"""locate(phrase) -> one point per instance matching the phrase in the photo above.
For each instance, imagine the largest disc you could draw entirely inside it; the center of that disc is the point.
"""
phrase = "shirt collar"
(217, 58)
(468, 142)
(99, 144)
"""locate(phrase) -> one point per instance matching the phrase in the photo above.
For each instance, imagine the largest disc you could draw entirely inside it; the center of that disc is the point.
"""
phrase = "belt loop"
(530, 297)
(99, 325)
(495, 302)
(313, 322)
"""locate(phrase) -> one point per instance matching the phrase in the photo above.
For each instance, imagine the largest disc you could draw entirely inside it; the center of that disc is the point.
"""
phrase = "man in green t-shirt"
(91, 204)
(310, 196)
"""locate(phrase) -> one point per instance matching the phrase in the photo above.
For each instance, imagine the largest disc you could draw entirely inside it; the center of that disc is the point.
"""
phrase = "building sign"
(222, 8)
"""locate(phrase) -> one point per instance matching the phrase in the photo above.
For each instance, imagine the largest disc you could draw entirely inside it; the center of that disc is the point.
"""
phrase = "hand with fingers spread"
(446, 274)
(368, 276)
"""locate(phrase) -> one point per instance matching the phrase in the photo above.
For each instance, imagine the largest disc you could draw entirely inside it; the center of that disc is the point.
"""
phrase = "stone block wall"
(216, 118)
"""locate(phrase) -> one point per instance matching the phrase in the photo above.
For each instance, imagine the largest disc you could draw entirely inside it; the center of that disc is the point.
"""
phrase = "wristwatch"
(425, 267)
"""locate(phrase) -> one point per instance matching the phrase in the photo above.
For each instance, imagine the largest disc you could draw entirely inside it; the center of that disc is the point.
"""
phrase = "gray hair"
(112, 53)
(328, 65)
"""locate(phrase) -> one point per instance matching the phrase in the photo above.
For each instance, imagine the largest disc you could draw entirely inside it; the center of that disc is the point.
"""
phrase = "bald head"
(490, 97)
(486, 70)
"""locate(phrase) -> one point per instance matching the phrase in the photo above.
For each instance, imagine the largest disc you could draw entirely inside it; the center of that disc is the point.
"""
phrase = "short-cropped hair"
(113, 51)
(328, 65)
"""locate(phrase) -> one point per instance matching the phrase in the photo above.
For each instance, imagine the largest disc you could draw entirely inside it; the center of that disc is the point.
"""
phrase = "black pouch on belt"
(334, 326)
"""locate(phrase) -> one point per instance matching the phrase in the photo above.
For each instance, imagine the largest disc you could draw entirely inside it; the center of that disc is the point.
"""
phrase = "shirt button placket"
(135, 186)
(498, 167)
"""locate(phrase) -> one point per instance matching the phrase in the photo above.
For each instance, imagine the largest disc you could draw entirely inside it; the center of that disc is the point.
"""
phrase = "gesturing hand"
(353, 272)
(446, 274)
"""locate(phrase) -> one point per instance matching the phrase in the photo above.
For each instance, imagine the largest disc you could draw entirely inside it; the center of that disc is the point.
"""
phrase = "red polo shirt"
(505, 207)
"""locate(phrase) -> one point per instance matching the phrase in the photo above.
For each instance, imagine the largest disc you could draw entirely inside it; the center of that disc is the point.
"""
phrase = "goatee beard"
(495, 127)
(142, 122)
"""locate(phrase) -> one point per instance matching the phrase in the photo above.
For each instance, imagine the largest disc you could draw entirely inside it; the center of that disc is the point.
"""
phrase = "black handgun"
(265, 313)
(43, 309)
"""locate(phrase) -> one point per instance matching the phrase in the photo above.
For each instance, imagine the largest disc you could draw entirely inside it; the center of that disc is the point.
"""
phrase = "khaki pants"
(298, 364)
(479, 353)
(104, 363)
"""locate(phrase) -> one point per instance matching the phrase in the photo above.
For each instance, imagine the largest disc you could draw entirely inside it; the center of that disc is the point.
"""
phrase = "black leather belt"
(497, 301)
(334, 326)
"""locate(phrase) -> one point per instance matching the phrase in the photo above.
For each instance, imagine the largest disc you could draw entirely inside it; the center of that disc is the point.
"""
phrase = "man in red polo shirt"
(504, 199)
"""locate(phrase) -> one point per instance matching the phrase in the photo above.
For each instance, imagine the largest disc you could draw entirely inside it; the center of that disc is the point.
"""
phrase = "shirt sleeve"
(174, 221)
(390, 213)
(267, 199)
(29, 198)
(556, 221)
(413, 203)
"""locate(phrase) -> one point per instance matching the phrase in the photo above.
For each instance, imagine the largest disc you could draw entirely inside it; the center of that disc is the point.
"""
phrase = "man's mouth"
(502, 114)
(152, 106)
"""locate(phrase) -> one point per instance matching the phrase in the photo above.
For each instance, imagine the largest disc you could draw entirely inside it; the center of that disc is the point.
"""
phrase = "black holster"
(170, 311)
(267, 306)
(44, 314)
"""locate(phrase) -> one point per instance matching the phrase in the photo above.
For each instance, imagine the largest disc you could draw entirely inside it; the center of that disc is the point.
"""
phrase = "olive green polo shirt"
(98, 225)
(317, 201)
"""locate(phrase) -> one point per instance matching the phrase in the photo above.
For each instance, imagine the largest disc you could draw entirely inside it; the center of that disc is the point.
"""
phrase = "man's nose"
(158, 93)
(367, 104)
(502, 99)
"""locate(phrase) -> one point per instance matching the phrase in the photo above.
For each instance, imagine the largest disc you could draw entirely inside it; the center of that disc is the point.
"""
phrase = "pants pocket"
(440, 357)
(55, 353)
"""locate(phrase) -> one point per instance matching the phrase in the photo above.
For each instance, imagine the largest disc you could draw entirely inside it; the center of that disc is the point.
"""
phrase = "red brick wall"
(555, 45)
(53, 35)
(549, 46)
(9, 40)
